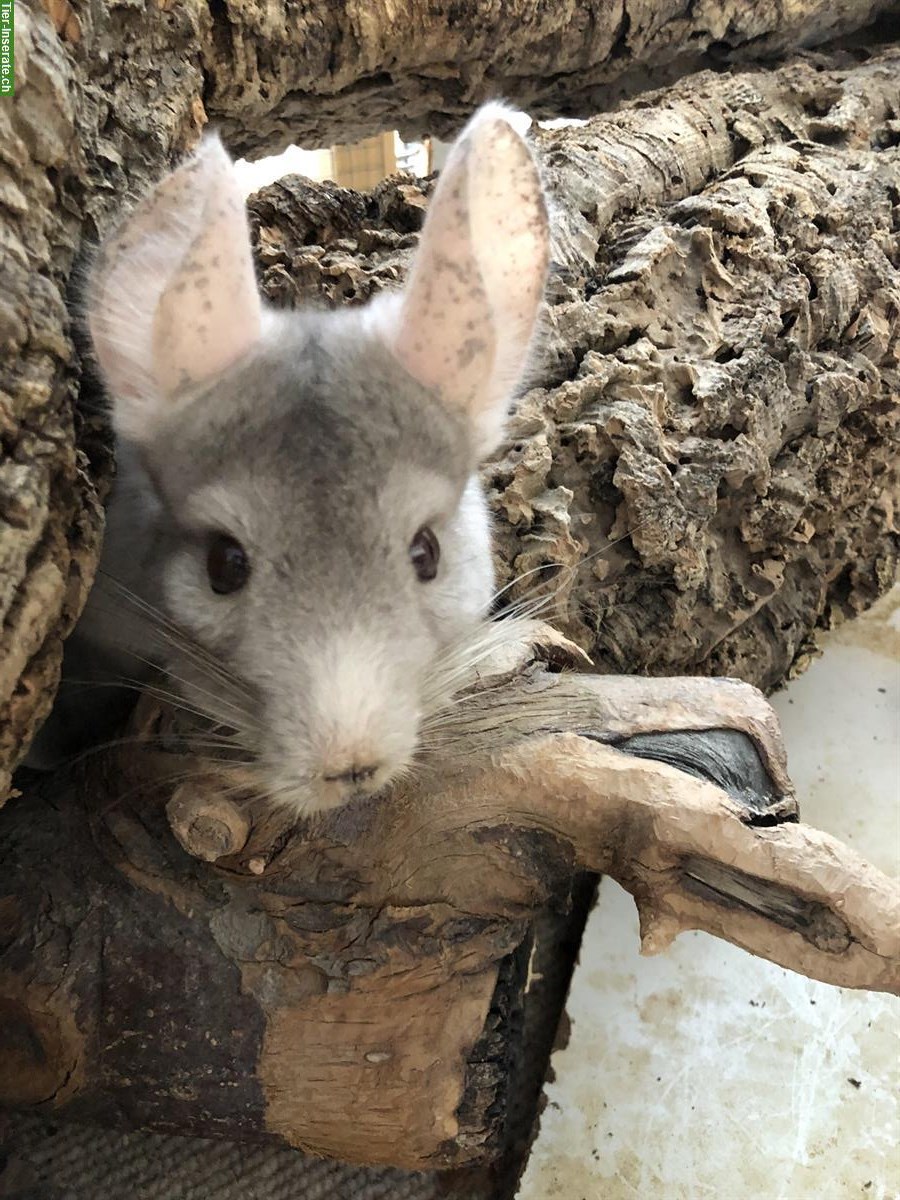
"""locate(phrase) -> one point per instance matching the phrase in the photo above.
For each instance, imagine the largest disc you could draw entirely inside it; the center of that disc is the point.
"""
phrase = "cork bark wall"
(707, 466)
(109, 95)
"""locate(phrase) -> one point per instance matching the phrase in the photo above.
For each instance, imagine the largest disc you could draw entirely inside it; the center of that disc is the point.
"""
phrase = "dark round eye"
(424, 553)
(227, 564)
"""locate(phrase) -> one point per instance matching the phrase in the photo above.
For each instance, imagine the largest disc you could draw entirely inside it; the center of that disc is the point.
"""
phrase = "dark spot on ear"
(469, 349)
(214, 262)
(207, 305)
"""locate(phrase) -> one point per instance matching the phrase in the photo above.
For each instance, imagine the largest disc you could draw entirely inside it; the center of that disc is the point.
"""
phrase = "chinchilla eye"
(227, 564)
(424, 553)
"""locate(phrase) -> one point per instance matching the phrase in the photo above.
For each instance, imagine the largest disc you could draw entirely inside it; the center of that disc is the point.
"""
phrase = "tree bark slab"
(345, 985)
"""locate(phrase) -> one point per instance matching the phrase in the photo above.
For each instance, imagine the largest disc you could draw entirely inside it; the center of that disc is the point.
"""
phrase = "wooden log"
(330, 983)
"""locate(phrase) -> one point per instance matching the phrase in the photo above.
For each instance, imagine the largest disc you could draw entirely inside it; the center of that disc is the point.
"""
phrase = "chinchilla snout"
(357, 728)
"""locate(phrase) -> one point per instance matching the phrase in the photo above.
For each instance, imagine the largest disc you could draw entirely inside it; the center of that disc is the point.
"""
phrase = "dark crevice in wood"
(819, 925)
(726, 757)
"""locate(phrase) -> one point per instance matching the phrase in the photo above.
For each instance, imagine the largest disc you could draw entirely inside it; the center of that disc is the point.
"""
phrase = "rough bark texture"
(51, 1159)
(269, 74)
(345, 70)
(348, 985)
(708, 466)
(108, 96)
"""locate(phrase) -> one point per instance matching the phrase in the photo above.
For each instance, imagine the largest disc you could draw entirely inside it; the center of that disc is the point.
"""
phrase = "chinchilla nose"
(355, 775)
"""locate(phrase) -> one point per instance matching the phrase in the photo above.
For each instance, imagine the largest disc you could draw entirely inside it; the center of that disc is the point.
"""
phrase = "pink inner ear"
(510, 225)
(446, 337)
(210, 314)
(471, 303)
(132, 269)
(173, 299)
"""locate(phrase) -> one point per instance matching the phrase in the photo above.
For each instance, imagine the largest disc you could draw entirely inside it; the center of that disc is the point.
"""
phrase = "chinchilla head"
(319, 533)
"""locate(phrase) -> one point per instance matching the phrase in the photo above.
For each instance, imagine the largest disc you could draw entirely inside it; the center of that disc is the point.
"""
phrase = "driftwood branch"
(179, 955)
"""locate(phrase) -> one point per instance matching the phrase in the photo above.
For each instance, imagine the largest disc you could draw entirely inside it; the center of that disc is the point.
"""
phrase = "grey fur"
(322, 455)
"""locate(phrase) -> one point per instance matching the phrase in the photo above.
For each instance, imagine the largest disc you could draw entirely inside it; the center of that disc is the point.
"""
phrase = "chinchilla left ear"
(173, 300)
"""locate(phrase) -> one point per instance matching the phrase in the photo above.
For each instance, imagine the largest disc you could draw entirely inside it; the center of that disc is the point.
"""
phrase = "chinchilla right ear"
(465, 321)
(172, 300)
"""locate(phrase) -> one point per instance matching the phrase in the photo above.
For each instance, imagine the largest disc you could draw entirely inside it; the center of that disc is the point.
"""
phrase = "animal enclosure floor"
(707, 1073)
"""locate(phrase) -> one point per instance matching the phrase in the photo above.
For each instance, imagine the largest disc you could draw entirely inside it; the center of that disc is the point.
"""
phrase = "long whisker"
(175, 635)
(567, 573)
(163, 742)
(226, 698)
(449, 706)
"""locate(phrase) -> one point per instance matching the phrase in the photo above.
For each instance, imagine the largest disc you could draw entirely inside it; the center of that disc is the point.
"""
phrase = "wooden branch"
(207, 825)
(328, 983)
(695, 858)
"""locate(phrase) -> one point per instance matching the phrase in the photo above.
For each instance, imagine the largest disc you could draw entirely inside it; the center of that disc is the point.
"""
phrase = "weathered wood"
(331, 984)
(88, 129)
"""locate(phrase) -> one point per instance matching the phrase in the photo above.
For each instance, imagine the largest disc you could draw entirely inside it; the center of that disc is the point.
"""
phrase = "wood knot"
(206, 825)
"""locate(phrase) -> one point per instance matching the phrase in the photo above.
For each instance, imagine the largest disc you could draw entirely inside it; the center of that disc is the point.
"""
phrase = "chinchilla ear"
(173, 300)
(467, 315)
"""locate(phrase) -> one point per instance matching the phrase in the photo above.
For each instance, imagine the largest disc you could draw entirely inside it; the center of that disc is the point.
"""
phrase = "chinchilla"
(297, 538)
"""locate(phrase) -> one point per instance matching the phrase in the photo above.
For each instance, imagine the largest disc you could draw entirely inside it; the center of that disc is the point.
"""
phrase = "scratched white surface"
(707, 1073)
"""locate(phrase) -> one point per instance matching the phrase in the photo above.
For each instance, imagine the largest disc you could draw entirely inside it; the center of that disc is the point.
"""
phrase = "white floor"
(707, 1074)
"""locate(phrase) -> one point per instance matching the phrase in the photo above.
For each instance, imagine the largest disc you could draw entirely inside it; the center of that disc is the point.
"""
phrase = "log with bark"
(179, 954)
